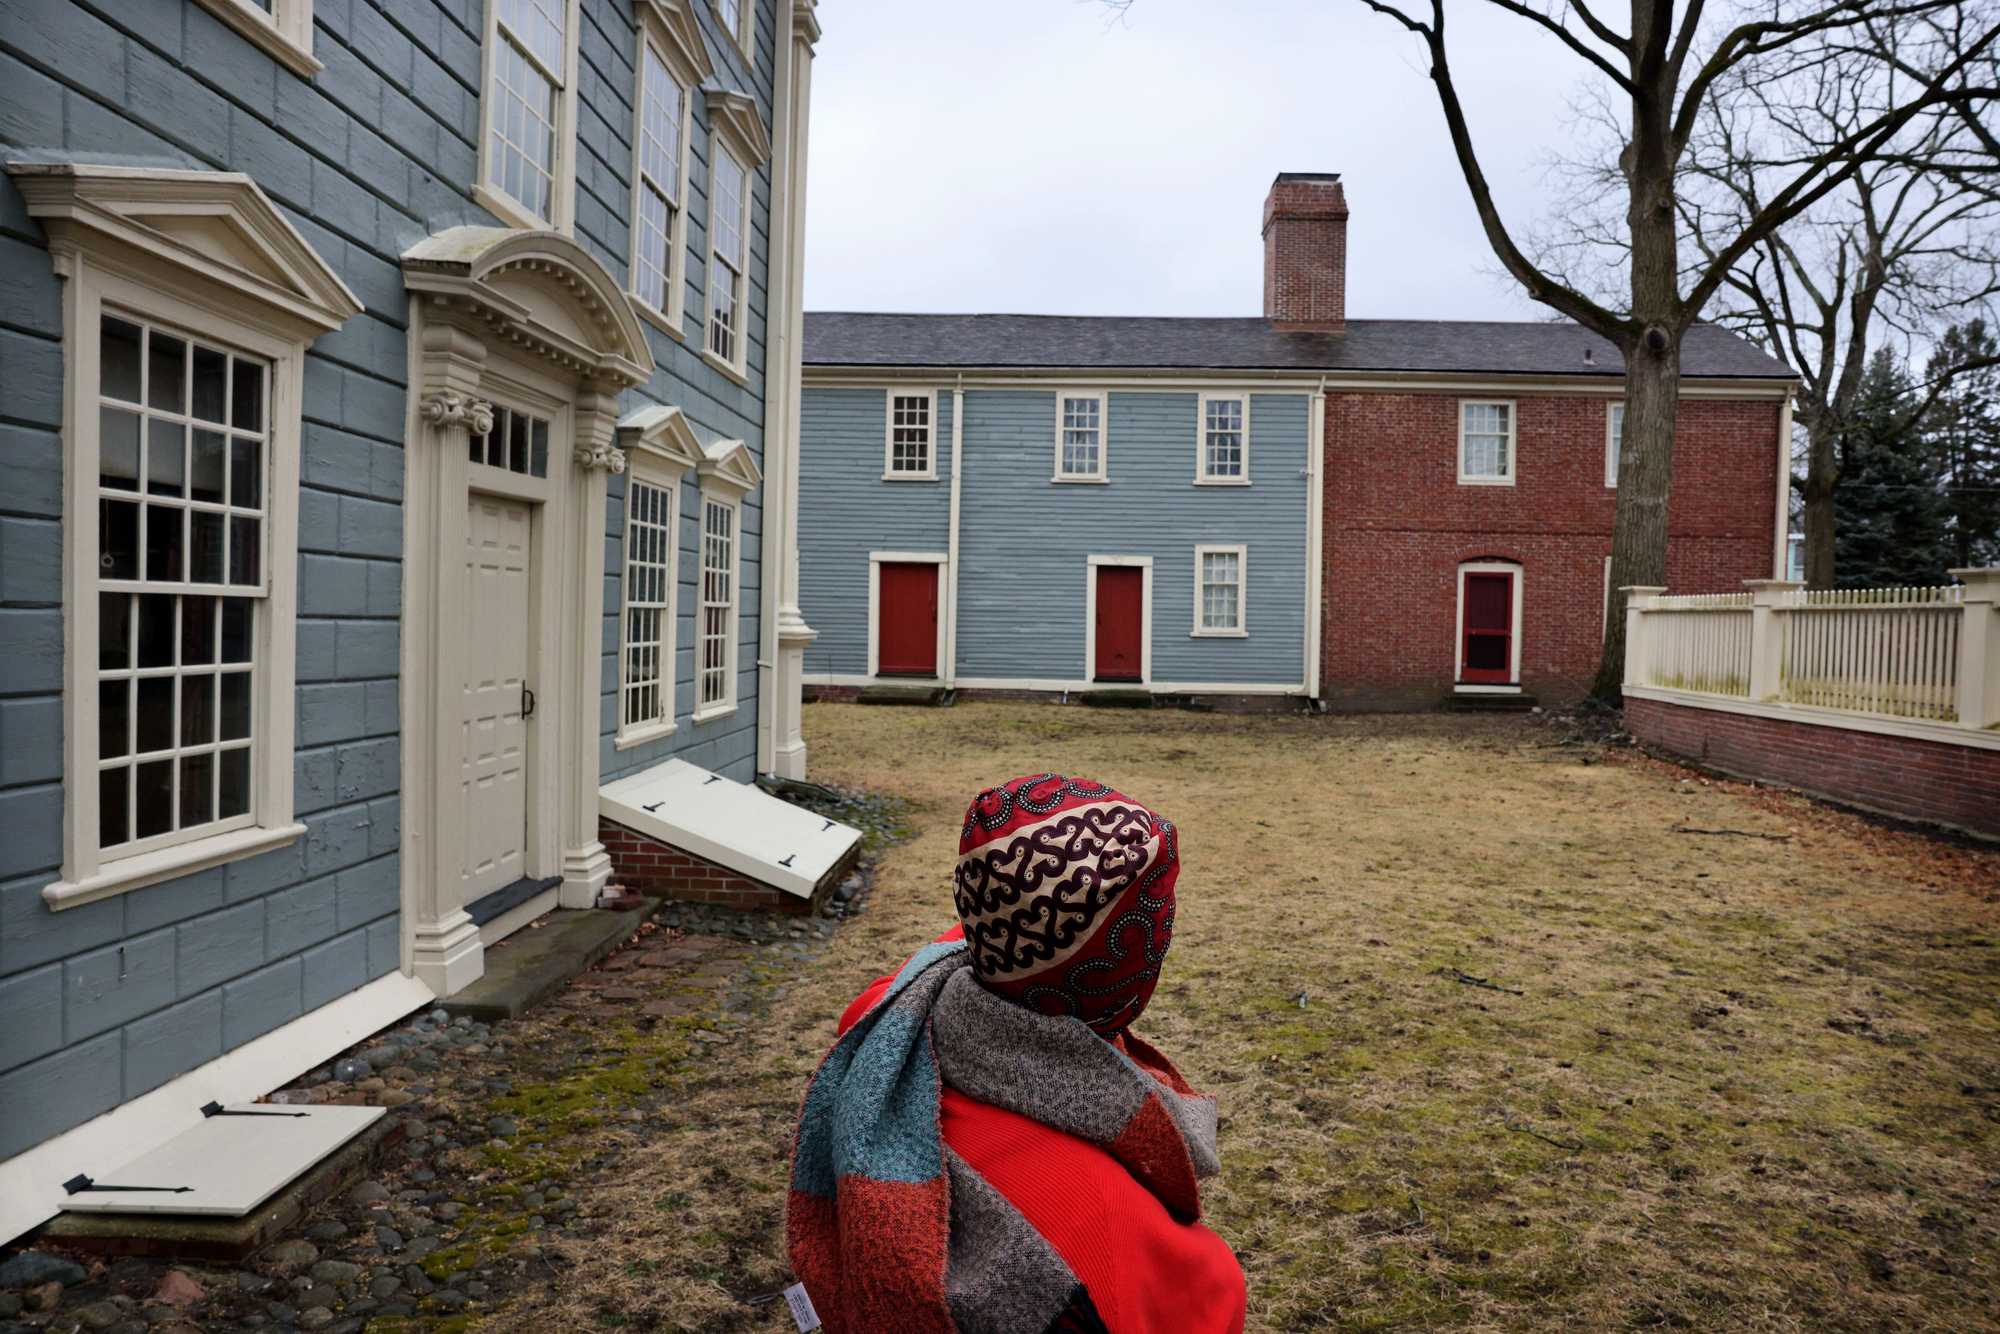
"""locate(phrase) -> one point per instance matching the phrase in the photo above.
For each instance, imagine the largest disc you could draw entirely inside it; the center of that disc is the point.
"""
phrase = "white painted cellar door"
(495, 732)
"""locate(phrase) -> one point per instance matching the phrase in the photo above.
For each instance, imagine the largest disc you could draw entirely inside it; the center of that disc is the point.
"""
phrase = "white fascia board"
(734, 825)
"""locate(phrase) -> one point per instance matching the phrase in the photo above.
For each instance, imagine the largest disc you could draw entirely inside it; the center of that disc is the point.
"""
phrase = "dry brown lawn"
(1713, 1081)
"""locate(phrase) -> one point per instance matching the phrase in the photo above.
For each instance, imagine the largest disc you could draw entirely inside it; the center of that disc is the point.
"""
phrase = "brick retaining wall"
(649, 866)
(1916, 779)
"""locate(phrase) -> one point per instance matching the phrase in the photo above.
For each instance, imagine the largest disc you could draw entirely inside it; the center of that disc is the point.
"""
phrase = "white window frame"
(1064, 397)
(1241, 630)
(732, 501)
(647, 469)
(739, 354)
(1202, 476)
(562, 189)
(668, 32)
(890, 472)
(120, 237)
(1513, 451)
(744, 31)
(1614, 439)
(1514, 635)
(1091, 565)
(285, 33)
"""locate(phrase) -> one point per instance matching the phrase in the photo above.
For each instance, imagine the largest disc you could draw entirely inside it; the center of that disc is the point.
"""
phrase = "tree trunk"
(1645, 479)
(1822, 475)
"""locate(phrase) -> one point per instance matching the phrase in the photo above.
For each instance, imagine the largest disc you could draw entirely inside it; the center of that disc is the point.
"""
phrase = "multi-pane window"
(715, 686)
(1224, 433)
(525, 116)
(736, 16)
(1486, 442)
(1614, 441)
(1080, 437)
(662, 118)
(1218, 590)
(183, 452)
(518, 442)
(728, 188)
(648, 685)
(910, 434)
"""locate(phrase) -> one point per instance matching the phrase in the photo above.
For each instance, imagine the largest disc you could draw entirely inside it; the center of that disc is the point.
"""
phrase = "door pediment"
(537, 290)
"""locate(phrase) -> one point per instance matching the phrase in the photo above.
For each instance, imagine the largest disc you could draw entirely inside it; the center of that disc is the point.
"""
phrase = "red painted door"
(1121, 622)
(906, 638)
(1486, 641)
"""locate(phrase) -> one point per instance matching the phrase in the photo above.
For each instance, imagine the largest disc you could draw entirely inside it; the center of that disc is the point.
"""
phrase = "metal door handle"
(527, 702)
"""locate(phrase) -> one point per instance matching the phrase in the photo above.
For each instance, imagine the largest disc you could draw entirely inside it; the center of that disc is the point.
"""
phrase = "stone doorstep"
(229, 1240)
(535, 964)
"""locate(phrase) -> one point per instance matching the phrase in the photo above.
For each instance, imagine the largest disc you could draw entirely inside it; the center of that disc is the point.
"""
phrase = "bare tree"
(1899, 250)
(1661, 77)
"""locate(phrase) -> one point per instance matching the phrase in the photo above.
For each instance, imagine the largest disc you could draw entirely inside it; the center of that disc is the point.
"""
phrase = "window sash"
(647, 648)
(1225, 439)
(1486, 439)
(718, 603)
(1614, 441)
(1220, 589)
(659, 156)
(1081, 436)
(910, 427)
(729, 182)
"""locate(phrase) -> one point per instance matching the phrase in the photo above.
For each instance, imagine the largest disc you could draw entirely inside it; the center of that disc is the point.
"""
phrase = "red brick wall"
(1305, 253)
(649, 866)
(1398, 524)
(1904, 776)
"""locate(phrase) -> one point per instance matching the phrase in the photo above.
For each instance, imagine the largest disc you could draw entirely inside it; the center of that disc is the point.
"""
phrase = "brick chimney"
(1305, 253)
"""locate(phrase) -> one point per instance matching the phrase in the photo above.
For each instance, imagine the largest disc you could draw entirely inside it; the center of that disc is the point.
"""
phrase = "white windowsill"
(1080, 481)
(262, 32)
(710, 712)
(909, 477)
(509, 210)
(640, 736)
(670, 325)
(1222, 481)
(150, 868)
(1218, 634)
(1486, 481)
(728, 368)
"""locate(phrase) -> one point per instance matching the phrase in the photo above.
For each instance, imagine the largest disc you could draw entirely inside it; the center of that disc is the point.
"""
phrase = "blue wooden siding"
(847, 510)
(108, 1000)
(1024, 541)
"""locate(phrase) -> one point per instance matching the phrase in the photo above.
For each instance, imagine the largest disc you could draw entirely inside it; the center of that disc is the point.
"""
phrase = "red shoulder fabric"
(1147, 1272)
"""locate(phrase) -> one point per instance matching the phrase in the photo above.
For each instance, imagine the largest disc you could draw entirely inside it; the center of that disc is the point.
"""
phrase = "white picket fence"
(1924, 654)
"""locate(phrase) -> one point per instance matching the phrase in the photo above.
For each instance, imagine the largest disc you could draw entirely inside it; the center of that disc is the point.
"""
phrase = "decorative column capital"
(600, 457)
(448, 408)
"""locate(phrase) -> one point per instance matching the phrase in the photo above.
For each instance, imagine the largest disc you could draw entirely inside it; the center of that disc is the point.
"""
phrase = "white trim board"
(31, 1182)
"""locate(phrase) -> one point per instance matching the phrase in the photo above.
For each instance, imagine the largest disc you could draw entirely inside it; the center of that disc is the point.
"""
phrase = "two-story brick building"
(1379, 513)
(400, 398)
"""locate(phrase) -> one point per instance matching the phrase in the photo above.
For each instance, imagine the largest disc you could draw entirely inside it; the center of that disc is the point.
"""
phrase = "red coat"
(1146, 1270)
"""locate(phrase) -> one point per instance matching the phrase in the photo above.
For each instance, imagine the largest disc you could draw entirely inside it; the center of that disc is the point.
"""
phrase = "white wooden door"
(494, 730)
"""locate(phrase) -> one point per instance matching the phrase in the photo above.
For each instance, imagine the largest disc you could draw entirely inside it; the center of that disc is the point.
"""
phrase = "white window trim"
(1614, 423)
(890, 473)
(1091, 566)
(876, 560)
(736, 366)
(1513, 638)
(1103, 473)
(1241, 630)
(746, 27)
(731, 498)
(562, 197)
(1202, 476)
(1513, 449)
(666, 27)
(285, 34)
(110, 240)
(649, 468)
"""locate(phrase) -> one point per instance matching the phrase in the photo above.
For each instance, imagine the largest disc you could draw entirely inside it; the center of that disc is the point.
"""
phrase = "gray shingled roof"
(845, 338)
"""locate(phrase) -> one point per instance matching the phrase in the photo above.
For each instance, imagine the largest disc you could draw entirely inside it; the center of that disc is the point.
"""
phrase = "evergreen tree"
(1890, 527)
(1962, 429)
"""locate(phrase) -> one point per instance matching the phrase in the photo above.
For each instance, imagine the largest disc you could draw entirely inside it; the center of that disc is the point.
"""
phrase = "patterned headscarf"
(1066, 890)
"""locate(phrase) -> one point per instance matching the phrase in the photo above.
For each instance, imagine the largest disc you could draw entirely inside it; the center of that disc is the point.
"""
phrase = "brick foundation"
(643, 863)
(1908, 777)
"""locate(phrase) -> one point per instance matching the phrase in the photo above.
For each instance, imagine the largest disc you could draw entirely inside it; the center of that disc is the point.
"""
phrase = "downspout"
(1315, 537)
(1781, 556)
(951, 537)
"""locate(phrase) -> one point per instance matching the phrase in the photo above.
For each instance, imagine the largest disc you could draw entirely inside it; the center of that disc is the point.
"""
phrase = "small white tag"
(802, 1308)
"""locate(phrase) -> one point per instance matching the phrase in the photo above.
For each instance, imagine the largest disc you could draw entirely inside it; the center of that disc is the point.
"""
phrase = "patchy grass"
(1709, 1081)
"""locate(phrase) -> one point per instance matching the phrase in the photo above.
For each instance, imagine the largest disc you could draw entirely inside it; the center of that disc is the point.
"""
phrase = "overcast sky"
(1044, 156)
